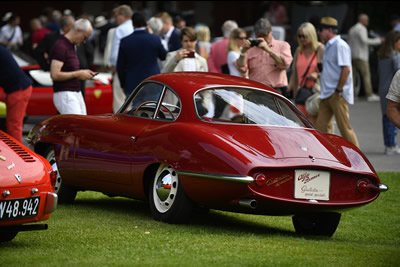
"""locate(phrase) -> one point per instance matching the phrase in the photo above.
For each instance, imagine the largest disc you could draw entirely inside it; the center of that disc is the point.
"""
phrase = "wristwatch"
(339, 91)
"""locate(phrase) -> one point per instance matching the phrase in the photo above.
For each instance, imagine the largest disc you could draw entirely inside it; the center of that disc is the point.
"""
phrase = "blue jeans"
(389, 132)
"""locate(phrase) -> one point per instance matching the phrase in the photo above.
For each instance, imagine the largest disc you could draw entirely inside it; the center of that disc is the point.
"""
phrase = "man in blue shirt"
(336, 81)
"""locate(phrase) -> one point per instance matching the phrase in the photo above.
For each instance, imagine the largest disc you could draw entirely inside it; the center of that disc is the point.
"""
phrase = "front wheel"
(323, 224)
(66, 193)
(168, 201)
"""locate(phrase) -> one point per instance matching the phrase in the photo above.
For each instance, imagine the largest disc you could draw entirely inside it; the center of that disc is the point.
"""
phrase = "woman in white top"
(185, 59)
(236, 41)
(11, 34)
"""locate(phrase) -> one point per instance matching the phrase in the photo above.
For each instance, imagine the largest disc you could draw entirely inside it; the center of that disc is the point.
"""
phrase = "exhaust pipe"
(248, 203)
(25, 227)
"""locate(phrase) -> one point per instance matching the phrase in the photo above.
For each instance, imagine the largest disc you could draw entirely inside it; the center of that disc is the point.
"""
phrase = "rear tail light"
(260, 179)
(53, 178)
(365, 185)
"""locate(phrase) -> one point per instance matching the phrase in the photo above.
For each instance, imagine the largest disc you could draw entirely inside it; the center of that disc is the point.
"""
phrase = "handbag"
(306, 90)
(312, 104)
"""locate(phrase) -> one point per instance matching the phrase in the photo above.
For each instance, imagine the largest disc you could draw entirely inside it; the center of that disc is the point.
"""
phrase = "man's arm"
(344, 74)
(393, 112)
(58, 75)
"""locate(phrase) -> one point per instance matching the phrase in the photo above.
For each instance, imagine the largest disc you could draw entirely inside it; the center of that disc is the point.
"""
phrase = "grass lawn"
(98, 230)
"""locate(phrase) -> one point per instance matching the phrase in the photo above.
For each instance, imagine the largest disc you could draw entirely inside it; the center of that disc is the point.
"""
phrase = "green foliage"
(98, 230)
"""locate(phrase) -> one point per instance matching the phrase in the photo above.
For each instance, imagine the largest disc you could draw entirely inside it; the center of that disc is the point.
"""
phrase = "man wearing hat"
(336, 81)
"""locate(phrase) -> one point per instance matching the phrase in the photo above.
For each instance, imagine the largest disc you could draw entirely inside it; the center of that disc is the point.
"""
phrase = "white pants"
(69, 102)
(118, 94)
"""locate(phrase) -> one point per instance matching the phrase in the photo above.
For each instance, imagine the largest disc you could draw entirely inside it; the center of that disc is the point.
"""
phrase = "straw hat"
(329, 22)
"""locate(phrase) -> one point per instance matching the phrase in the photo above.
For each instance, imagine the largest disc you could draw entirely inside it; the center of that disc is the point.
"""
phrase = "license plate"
(19, 208)
(311, 184)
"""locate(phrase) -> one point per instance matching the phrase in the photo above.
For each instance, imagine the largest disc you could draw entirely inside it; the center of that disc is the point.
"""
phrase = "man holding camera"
(265, 58)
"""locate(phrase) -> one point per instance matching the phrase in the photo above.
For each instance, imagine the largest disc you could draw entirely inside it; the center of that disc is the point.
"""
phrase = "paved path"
(366, 120)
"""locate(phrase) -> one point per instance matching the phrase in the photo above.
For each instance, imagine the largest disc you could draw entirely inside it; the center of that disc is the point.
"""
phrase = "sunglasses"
(242, 38)
(301, 36)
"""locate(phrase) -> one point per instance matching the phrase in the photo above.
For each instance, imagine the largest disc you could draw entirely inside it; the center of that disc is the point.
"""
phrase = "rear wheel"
(324, 224)
(168, 201)
(66, 193)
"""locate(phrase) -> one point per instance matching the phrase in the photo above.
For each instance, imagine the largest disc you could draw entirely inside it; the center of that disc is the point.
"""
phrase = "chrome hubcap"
(52, 159)
(165, 188)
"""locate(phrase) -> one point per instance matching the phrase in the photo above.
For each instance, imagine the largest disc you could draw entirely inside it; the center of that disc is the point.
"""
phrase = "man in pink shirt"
(268, 60)
(218, 52)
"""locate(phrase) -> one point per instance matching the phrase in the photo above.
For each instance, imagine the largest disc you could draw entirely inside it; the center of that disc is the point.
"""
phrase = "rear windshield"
(245, 106)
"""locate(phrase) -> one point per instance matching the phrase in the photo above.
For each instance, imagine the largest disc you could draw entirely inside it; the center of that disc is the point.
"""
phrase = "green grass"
(98, 230)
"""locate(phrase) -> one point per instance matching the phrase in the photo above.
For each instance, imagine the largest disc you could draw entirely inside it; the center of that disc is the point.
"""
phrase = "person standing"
(388, 65)
(11, 33)
(38, 32)
(217, 59)
(169, 34)
(65, 72)
(359, 45)
(123, 15)
(336, 81)
(138, 54)
(268, 60)
(305, 71)
(42, 50)
(185, 59)
(393, 96)
(18, 89)
(236, 41)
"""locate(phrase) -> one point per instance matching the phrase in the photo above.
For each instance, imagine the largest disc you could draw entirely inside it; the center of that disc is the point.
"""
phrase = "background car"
(98, 94)
(26, 189)
(215, 141)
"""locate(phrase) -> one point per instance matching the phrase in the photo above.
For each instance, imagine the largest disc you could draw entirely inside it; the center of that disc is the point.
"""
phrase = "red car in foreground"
(26, 192)
(215, 141)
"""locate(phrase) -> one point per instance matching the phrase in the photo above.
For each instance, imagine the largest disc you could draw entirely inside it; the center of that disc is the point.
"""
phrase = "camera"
(190, 54)
(254, 43)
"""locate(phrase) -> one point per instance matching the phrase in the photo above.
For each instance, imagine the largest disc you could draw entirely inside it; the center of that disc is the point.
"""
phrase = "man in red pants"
(18, 88)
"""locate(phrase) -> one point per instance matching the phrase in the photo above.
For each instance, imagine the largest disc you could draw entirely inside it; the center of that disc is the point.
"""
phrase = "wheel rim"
(165, 187)
(52, 159)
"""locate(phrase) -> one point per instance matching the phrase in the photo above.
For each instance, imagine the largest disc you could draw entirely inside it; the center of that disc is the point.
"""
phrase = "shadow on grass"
(213, 221)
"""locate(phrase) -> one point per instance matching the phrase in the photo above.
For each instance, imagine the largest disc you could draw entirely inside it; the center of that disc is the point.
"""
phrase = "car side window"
(145, 100)
(170, 107)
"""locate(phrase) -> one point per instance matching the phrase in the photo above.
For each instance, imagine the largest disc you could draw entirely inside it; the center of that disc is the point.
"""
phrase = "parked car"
(26, 189)
(183, 140)
(98, 94)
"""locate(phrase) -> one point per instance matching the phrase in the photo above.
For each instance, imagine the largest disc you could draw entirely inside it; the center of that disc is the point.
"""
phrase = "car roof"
(190, 82)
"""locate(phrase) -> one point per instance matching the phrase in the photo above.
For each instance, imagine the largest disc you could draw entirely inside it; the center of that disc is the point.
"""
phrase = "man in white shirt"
(359, 44)
(123, 15)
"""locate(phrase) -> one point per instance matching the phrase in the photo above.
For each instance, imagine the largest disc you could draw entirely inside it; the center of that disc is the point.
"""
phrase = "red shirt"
(63, 50)
(218, 55)
(38, 35)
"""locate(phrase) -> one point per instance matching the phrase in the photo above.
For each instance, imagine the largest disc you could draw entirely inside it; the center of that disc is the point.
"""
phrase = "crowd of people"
(133, 46)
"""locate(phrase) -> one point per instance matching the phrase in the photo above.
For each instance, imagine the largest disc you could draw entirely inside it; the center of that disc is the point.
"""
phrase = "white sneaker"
(373, 98)
(392, 151)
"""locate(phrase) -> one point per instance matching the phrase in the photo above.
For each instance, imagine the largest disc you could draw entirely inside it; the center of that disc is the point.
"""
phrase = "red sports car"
(26, 189)
(216, 141)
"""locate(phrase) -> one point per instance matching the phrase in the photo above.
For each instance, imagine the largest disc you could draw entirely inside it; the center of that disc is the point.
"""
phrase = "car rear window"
(245, 106)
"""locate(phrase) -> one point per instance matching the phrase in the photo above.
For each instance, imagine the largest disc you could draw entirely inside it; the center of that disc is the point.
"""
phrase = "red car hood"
(281, 143)
(20, 166)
